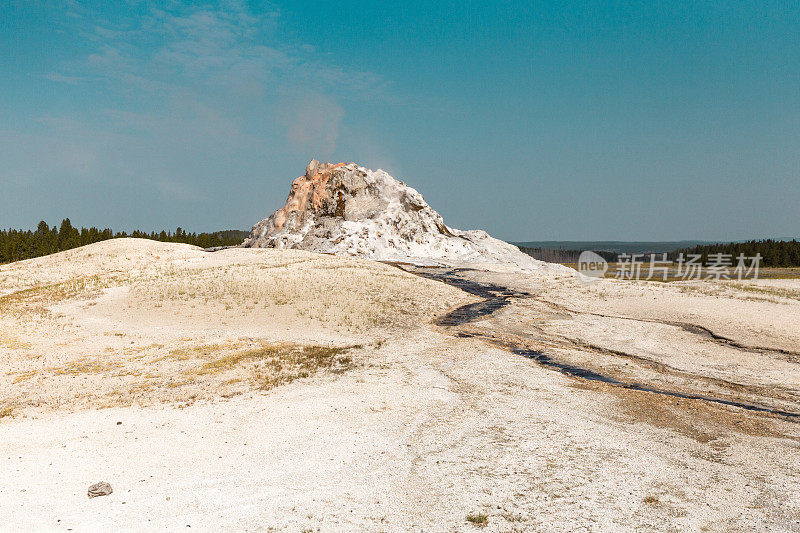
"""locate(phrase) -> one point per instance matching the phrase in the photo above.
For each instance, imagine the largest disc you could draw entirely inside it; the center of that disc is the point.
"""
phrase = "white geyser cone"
(346, 209)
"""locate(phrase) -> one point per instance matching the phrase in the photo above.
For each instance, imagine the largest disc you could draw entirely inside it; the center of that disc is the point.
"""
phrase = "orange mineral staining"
(313, 185)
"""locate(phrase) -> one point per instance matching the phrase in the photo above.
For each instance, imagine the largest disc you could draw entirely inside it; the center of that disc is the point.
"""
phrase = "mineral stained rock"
(346, 209)
(100, 489)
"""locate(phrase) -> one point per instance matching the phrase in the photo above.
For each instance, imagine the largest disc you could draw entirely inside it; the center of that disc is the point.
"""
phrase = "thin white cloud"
(72, 80)
(193, 103)
(222, 58)
(312, 120)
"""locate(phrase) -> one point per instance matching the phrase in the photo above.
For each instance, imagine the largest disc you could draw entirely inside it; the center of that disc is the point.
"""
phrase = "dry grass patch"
(478, 519)
(191, 373)
(189, 352)
(85, 366)
(22, 376)
(6, 411)
(228, 362)
(268, 366)
(770, 293)
(9, 340)
(36, 298)
(301, 363)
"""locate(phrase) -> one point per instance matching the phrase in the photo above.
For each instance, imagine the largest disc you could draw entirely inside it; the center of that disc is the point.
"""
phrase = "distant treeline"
(773, 253)
(16, 245)
(551, 255)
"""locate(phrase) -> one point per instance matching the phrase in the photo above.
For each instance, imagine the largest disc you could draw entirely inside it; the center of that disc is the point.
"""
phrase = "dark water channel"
(496, 297)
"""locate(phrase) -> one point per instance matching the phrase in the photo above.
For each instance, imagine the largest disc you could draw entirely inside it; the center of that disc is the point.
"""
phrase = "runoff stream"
(495, 297)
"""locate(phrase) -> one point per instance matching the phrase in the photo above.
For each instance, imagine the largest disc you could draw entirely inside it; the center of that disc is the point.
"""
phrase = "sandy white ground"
(135, 322)
(417, 431)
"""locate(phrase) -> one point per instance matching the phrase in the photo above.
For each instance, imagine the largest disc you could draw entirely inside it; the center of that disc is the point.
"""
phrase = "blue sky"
(532, 120)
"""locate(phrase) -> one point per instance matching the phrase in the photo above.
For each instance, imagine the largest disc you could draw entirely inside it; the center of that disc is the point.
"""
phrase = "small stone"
(119, 423)
(100, 489)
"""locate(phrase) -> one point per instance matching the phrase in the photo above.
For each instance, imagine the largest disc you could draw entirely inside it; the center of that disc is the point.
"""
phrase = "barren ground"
(258, 389)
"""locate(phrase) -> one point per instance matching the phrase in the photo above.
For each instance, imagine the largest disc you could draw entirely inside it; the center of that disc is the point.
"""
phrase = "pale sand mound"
(428, 428)
(136, 321)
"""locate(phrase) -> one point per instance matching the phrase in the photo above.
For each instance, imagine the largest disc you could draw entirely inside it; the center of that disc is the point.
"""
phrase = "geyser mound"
(346, 209)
